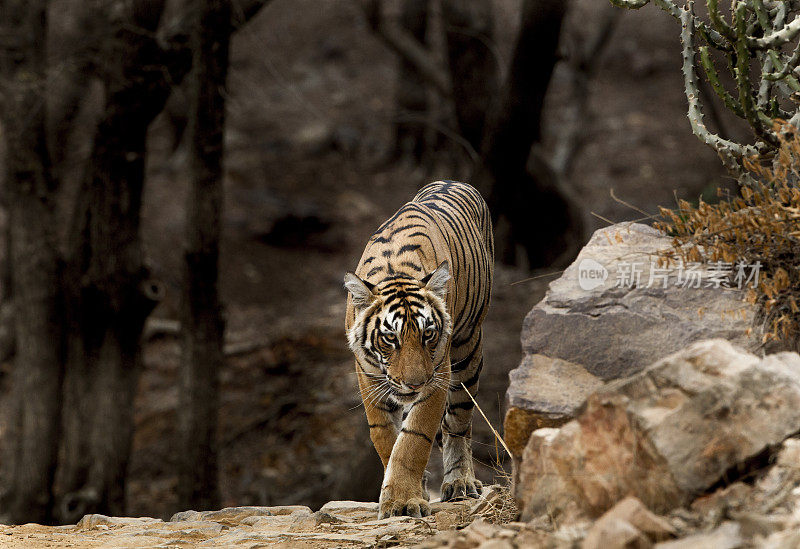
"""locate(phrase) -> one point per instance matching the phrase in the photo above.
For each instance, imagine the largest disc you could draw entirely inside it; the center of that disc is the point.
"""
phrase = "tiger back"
(415, 307)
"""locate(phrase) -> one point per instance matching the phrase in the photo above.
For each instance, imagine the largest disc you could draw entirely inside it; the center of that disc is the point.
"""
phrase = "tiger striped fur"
(415, 307)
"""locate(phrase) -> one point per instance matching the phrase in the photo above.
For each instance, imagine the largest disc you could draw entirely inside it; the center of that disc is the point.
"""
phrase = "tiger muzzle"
(411, 368)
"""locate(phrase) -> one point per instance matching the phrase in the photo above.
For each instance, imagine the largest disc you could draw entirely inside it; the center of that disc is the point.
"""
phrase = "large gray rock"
(615, 331)
(610, 314)
(543, 392)
(664, 435)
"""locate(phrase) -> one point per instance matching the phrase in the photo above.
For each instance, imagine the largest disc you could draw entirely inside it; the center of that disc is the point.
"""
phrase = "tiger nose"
(414, 386)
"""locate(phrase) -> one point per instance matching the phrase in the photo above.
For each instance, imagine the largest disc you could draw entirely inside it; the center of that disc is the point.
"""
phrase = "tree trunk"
(79, 320)
(8, 337)
(109, 292)
(526, 195)
(411, 93)
(202, 324)
(38, 367)
(473, 65)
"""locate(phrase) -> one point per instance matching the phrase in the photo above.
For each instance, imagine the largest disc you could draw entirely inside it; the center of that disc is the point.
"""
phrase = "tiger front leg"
(459, 480)
(402, 491)
(381, 416)
(459, 474)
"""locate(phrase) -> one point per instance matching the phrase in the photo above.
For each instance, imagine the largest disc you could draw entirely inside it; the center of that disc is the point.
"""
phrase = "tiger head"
(402, 328)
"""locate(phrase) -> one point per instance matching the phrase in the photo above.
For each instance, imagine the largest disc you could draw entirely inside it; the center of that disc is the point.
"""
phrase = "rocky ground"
(761, 511)
(336, 524)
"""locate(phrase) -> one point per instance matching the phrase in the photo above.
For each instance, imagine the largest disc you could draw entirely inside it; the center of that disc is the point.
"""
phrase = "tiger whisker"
(378, 393)
(374, 391)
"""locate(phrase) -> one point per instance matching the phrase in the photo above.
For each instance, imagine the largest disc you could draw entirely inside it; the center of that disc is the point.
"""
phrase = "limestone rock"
(759, 524)
(496, 544)
(462, 506)
(615, 533)
(296, 510)
(613, 312)
(788, 539)
(615, 331)
(480, 531)
(789, 456)
(446, 520)
(183, 530)
(634, 512)
(235, 515)
(186, 515)
(348, 506)
(93, 521)
(543, 392)
(727, 536)
(130, 542)
(665, 435)
(351, 510)
(309, 522)
(628, 524)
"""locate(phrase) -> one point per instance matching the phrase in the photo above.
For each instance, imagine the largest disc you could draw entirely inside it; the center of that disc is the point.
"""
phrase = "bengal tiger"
(415, 307)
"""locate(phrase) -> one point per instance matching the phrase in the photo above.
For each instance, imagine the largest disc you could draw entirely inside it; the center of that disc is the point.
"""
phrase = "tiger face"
(402, 330)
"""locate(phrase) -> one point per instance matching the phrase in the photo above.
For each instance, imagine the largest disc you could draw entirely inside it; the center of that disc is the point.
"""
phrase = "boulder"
(596, 315)
(614, 311)
(665, 435)
(543, 392)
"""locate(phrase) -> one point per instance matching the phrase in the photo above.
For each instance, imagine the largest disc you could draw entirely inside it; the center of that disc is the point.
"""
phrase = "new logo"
(591, 274)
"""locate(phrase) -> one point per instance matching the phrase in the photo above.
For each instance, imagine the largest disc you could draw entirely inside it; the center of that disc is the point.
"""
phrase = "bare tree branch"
(406, 46)
(245, 10)
(174, 37)
(583, 67)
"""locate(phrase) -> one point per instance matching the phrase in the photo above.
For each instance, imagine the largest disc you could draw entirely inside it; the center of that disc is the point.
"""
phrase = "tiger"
(415, 307)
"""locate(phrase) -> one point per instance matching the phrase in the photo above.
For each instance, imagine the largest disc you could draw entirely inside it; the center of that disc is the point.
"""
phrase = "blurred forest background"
(129, 199)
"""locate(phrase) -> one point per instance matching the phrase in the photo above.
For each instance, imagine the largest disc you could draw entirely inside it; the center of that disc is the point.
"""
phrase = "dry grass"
(761, 224)
(498, 505)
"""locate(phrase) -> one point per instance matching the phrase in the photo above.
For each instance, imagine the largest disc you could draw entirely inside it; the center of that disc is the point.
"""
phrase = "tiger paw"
(461, 488)
(414, 507)
(398, 504)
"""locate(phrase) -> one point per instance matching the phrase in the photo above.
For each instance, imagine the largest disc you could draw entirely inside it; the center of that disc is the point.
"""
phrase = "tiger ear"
(361, 290)
(437, 280)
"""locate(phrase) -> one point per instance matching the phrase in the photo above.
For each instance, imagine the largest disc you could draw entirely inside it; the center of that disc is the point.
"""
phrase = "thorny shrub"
(762, 224)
